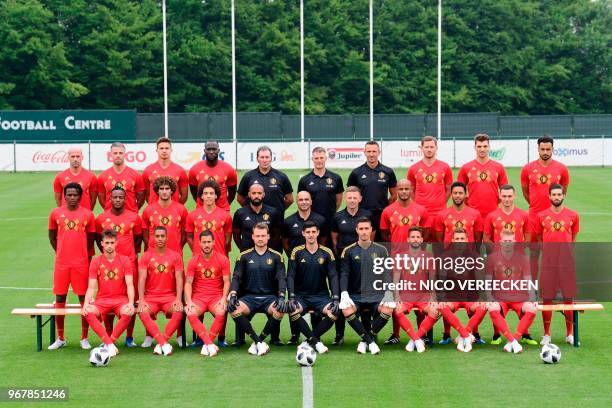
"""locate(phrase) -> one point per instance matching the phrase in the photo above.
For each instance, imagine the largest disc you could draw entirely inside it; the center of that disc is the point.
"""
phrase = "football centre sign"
(68, 125)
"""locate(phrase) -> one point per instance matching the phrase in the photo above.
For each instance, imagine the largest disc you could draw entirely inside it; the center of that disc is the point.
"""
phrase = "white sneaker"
(112, 349)
(508, 347)
(420, 345)
(204, 351)
(321, 348)
(460, 343)
(253, 349)
(468, 343)
(148, 342)
(262, 348)
(179, 341)
(57, 344)
(570, 339)
(158, 350)
(212, 349)
(85, 344)
(516, 347)
(167, 349)
(362, 347)
(545, 340)
(374, 349)
(410, 346)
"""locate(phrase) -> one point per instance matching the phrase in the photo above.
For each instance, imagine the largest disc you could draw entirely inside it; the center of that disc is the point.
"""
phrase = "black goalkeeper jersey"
(256, 274)
(309, 273)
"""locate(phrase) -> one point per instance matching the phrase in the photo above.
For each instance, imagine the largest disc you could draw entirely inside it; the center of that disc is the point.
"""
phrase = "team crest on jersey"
(164, 220)
(381, 175)
(482, 176)
(459, 224)
(406, 220)
(356, 257)
(511, 226)
(208, 273)
(329, 181)
(209, 225)
(508, 271)
(544, 178)
(558, 226)
(71, 224)
(160, 268)
(374, 255)
(112, 274)
(321, 260)
(430, 178)
(269, 261)
(265, 217)
(272, 181)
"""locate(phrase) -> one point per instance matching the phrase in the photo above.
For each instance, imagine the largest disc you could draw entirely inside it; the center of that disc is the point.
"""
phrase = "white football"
(305, 356)
(99, 357)
(550, 354)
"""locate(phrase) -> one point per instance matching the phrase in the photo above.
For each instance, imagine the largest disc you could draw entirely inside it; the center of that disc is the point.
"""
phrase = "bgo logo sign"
(131, 156)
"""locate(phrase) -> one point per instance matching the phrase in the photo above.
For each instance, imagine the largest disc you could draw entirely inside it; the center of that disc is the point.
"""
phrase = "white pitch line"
(22, 219)
(307, 388)
(18, 288)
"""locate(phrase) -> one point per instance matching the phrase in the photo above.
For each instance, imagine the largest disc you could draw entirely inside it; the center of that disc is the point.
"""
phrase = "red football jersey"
(557, 227)
(514, 268)
(398, 219)
(173, 218)
(448, 219)
(129, 179)
(111, 276)
(85, 178)
(223, 173)
(125, 225)
(155, 170)
(483, 182)
(429, 183)
(161, 269)
(539, 178)
(72, 228)
(422, 269)
(517, 221)
(218, 221)
(208, 274)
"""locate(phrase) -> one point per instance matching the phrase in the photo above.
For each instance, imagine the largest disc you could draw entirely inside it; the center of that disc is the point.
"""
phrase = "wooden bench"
(39, 312)
(577, 307)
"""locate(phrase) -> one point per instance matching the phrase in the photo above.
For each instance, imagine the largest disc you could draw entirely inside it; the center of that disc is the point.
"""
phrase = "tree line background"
(509, 56)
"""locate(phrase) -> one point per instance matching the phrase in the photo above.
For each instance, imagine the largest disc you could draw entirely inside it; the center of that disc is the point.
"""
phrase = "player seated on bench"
(113, 274)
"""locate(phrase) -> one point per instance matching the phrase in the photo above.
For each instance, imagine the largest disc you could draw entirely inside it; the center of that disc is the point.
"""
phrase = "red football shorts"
(465, 305)
(160, 304)
(107, 306)
(516, 306)
(206, 303)
(65, 276)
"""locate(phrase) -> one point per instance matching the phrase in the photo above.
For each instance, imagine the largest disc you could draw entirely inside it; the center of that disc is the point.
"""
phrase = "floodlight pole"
(371, 18)
(439, 91)
(302, 70)
(233, 73)
(165, 47)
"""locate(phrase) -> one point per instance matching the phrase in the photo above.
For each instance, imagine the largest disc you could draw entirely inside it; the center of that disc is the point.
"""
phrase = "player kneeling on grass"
(461, 253)
(206, 287)
(160, 288)
(113, 274)
(259, 274)
(356, 284)
(311, 267)
(507, 263)
(419, 298)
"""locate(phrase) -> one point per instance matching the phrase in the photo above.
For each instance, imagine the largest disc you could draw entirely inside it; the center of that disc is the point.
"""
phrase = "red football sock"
(426, 325)
(475, 320)
(130, 328)
(59, 320)
(84, 325)
(405, 324)
(109, 320)
(524, 324)
(152, 328)
(447, 325)
(222, 331)
(454, 322)
(173, 325)
(569, 318)
(199, 328)
(396, 326)
(98, 328)
(122, 324)
(217, 325)
(500, 324)
(546, 318)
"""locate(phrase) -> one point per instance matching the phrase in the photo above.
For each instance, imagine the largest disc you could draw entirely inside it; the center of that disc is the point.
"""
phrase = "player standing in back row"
(120, 174)
(164, 166)
(377, 183)
(76, 174)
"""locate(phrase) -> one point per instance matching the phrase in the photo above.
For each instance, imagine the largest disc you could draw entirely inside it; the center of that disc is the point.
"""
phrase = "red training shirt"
(208, 274)
(85, 178)
(129, 179)
(125, 225)
(539, 178)
(161, 269)
(430, 184)
(72, 228)
(483, 182)
(172, 217)
(219, 222)
(517, 221)
(448, 219)
(155, 170)
(223, 173)
(111, 276)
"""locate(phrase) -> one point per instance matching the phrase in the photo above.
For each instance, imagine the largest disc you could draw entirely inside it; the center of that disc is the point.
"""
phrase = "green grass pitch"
(441, 376)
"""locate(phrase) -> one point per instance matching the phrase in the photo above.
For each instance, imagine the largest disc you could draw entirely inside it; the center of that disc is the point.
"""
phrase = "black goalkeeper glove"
(280, 304)
(293, 304)
(335, 306)
(232, 303)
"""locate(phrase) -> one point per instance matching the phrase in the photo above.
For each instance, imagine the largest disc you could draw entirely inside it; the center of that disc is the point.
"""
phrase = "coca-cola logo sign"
(58, 156)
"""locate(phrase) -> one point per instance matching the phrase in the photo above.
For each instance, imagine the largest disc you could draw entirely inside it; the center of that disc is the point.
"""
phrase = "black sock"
(323, 326)
(295, 329)
(340, 326)
(245, 326)
(356, 324)
(379, 322)
(366, 320)
(271, 325)
(275, 333)
(315, 319)
(298, 321)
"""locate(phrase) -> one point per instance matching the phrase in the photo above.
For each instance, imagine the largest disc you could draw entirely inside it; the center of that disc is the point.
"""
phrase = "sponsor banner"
(46, 157)
(511, 153)
(573, 152)
(290, 155)
(67, 125)
(342, 155)
(188, 154)
(405, 153)
(607, 152)
(7, 159)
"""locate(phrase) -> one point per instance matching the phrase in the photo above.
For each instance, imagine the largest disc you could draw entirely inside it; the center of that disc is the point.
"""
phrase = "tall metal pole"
(302, 70)
(439, 91)
(371, 72)
(165, 69)
(233, 73)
